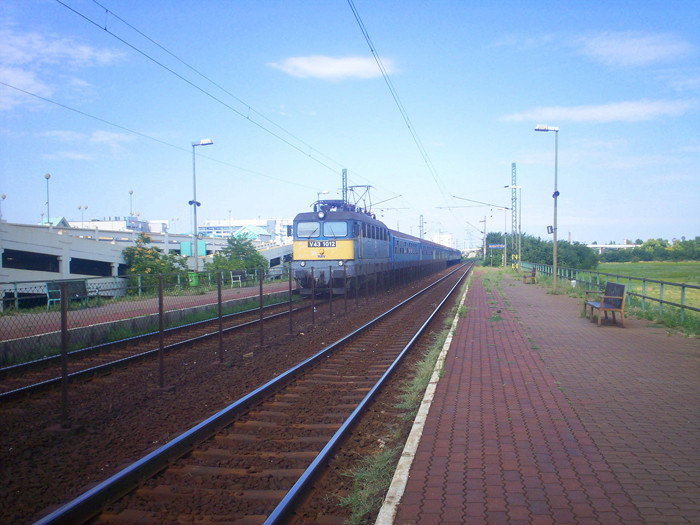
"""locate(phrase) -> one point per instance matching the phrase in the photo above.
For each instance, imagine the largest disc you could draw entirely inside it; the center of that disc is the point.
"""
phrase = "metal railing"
(101, 308)
(678, 295)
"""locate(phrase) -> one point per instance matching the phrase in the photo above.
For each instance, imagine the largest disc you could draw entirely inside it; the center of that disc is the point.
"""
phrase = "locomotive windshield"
(307, 230)
(335, 229)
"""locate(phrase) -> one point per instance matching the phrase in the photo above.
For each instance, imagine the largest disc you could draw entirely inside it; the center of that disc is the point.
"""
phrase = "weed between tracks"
(372, 478)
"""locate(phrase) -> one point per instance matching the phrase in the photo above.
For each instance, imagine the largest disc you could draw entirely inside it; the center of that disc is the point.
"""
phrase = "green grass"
(372, 478)
(676, 272)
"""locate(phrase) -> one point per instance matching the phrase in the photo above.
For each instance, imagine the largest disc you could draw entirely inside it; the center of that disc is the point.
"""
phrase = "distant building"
(274, 231)
(445, 239)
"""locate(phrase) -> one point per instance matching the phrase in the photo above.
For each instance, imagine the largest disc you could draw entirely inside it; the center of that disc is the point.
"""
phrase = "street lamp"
(131, 202)
(319, 193)
(520, 221)
(2, 198)
(193, 202)
(543, 127)
(82, 215)
(48, 211)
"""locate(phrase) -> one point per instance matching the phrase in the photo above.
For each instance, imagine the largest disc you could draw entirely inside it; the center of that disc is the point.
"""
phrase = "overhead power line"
(201, 89)
(399, 104)
(149, 137)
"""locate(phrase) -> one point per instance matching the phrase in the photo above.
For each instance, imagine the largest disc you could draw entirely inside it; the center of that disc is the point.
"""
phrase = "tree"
(149, 261)
(238, 254)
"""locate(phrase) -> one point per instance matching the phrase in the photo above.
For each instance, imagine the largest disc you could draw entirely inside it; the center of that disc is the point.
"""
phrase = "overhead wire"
(149, 137)
(404, 114)
(198, 88)
(108, 12)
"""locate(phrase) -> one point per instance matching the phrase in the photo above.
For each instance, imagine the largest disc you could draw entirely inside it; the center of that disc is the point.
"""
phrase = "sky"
(428, 103)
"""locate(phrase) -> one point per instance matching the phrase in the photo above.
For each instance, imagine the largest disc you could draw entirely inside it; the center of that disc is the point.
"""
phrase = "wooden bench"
(530, 277)
(611, 300)
(237, 277)
(75, 291)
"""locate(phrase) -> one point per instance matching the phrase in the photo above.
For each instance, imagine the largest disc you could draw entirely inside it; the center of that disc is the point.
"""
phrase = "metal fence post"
(161, 330)
(313, 297)
(261, 306)
(330, 290)
(65, 422)
(219, 279)
(290, 298)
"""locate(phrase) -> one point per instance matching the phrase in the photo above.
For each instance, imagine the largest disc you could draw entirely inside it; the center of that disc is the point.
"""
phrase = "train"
(339, 247)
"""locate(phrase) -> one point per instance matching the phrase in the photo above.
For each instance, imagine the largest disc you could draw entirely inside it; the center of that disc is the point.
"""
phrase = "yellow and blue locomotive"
(338, 247)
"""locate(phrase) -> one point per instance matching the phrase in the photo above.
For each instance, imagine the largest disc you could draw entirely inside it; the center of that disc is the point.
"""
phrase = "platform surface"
(541, 416)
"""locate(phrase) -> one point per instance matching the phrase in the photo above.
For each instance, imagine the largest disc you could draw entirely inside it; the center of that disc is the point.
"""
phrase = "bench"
(611, 300)
(237, 277)
(530, 277)
(75, 291)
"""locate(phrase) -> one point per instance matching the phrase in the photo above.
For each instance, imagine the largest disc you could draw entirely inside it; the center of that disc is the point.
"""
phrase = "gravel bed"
(119, 418)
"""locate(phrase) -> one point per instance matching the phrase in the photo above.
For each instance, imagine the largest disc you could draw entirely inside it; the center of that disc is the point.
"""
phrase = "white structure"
(34, 252)
(280, 230)
(445, 239)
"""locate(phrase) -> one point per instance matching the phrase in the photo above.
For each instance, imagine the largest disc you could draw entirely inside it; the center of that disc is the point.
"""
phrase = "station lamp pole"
(520, 221)
(543, 127)
(193, 202)
(48, 209)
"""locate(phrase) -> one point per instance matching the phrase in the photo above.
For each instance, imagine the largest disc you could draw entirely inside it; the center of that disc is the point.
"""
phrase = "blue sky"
(290, 93)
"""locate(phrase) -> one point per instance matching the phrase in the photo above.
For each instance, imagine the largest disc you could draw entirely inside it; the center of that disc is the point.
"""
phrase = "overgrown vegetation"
(656, 250)
(150, 262)
(238, 254)
(372, 478)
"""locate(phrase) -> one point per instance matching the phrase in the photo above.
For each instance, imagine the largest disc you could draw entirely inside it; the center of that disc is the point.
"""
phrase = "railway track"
(251, 461)
(36, 376)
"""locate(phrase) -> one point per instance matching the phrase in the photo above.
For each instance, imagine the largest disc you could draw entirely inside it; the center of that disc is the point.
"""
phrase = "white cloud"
(634, 49)
(31, 61)
(632, 111)
(22, 79)
(33, 49)
(331, 68)
(68, 155)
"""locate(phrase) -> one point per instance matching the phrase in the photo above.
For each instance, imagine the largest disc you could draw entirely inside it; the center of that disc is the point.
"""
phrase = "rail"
(638, 287)
(88, 504)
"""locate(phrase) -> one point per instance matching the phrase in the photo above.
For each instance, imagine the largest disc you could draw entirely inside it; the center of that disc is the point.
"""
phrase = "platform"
(541, 416)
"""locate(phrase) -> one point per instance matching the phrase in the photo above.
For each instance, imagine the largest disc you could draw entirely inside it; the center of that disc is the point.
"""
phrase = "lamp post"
(131, 202)
(543, 127)
(520, 221)
(48, 209)
(194, 203)
(319, 193)
(2, 198)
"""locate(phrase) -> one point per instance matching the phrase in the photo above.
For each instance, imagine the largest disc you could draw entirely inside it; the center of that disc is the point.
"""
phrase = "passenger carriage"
(338, 246)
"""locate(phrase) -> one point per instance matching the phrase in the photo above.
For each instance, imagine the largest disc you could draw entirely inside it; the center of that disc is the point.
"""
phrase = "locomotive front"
(324, 250)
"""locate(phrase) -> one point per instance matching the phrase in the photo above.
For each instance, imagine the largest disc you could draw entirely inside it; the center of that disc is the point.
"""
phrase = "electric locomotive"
(338, 247)
(334, 244)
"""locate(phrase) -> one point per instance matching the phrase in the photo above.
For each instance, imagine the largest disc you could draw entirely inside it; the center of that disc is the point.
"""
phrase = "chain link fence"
(105, 309)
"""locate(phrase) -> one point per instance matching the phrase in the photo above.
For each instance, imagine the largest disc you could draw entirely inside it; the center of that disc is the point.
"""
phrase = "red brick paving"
(543, 417)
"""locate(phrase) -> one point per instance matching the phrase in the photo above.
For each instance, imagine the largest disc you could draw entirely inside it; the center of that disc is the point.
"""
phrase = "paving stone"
(558, 420)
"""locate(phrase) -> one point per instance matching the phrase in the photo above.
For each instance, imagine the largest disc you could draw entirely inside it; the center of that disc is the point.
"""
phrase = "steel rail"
(95, 349)
(287, 504)
(90, 503)
(107, 367)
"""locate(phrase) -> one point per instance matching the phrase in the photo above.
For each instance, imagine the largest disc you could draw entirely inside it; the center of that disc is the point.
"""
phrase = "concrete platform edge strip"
(398, 483)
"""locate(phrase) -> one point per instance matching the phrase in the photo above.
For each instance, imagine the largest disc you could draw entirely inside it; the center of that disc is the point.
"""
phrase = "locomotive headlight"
(340, 263)
(302, 263)
(321, 214)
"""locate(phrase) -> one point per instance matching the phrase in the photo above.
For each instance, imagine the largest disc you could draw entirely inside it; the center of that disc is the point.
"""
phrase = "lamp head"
(544, 127)
(203, 142)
